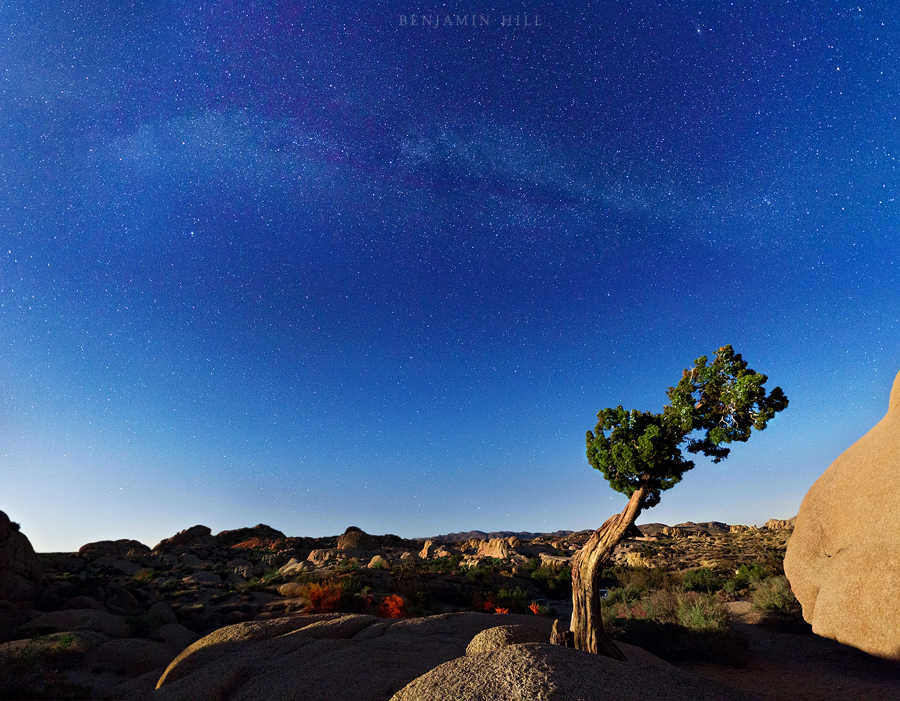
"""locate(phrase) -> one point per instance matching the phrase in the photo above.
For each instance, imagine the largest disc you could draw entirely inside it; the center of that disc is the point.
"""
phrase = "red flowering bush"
(392, 607)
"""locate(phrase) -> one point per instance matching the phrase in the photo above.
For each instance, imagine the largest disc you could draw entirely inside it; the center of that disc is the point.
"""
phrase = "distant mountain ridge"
(648, 529)
(521, 535)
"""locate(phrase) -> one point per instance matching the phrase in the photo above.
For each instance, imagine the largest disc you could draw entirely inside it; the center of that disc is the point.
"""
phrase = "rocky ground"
(107, 621)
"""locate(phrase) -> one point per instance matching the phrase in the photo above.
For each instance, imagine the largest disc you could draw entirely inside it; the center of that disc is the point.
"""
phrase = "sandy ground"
(803, 666)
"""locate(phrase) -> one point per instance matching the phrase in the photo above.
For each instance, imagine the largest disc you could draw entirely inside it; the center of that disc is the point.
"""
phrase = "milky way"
(314, 266)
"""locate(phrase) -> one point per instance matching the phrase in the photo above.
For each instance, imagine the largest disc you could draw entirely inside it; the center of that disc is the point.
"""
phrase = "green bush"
(629, 596)
(703, 579)
(516, 600)
(553, 579)
(745, 575)
(774, 596)
(441, 565)
(643, 577)
(701, 612)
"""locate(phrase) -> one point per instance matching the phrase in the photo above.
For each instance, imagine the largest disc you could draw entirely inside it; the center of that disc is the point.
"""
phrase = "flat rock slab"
(350, 657)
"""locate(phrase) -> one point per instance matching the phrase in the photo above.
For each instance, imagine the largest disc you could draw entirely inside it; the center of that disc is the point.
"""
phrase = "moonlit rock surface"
(843, 559)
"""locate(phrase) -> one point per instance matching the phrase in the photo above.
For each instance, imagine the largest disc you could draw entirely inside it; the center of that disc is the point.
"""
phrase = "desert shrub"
(627, 596)
(642, 577)
(745, 575)
(555, 580)
(441, 565)
(486, 568)
(774, 596)
(515, 600)
(661, 606)
(701, 612)
(145, 576)
(324, 597)
(392, 607)
(703, 579)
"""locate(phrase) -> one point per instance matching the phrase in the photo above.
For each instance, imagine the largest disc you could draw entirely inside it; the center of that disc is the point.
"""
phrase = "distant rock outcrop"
(111, 548)
(21, 576)
(774, 524)
(195, 535)
(260, 533)
(843, 559)
(356, 539)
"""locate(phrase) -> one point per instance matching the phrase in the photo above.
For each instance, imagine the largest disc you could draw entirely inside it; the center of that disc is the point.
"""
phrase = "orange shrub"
(392, 607)
(324, 597)
(499, 610)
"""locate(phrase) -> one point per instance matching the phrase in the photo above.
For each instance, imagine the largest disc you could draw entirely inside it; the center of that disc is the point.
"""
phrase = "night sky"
(315, 266)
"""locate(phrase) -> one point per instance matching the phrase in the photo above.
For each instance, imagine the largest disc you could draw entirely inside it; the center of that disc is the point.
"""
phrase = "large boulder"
(544, 672)
(242, 537)
(21, 576)
(356, 539)
(495, 547)
(111, 548)
(195, 535)
(843, 559)
(323, 657)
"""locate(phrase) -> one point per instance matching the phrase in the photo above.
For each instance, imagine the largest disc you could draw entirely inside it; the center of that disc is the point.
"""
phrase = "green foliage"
(516, 600)
(703, 579)
(723, 401)
(746, 575)
(774, 596)
(643, 577)
(677, 626)
(145, 576)
(701, 612)
(628, 596)
(441, 565)
(555, 580)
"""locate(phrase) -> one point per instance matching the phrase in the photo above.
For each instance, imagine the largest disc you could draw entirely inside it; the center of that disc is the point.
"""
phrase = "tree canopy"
(711, 406)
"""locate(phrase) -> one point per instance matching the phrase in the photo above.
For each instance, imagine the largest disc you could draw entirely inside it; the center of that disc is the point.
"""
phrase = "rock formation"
(20, 567)
(843, 559)
(355, 539)
(505, 671)
(195, 535)
(260, 533)
(774, 524)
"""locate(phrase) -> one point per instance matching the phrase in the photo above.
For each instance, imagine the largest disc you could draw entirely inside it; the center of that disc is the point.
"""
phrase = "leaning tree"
(639, 453)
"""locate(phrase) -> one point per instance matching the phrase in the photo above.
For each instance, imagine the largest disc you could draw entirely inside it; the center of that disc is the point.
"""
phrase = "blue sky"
(311, 266)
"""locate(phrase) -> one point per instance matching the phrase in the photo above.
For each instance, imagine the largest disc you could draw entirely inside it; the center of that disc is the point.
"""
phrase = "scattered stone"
(291, 590)
(379, 563)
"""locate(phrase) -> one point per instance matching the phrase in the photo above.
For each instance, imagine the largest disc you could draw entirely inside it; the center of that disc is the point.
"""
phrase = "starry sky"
(321, 264)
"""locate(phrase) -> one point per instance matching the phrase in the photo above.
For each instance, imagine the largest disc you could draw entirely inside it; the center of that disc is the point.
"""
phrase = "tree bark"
(587, 623)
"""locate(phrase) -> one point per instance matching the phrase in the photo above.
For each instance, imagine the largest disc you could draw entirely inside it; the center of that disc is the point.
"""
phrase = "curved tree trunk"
(587, 624)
